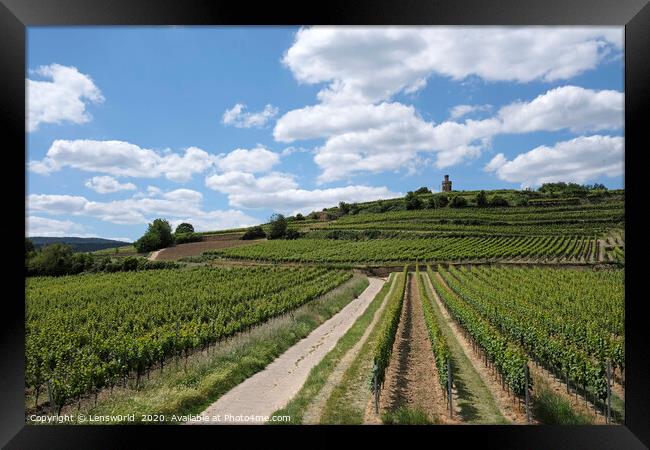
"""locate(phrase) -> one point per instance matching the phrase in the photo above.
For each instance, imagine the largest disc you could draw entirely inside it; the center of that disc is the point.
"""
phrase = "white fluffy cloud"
(106, 184)
(41, 226)
(578, 160)
(370, 64)
(63, 99)
(238, 117)
(459, 111)
(280, 192)
(121, 158)
(179, 204)
(255, 160)
(389, 136)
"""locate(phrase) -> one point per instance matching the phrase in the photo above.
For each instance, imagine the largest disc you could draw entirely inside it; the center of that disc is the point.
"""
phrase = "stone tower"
(446, 184)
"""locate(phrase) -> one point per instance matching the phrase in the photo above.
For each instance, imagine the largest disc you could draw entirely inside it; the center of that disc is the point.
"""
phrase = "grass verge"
(179, 392)
(406, 416)
(551, 409)
(348, 401)
(319, 375)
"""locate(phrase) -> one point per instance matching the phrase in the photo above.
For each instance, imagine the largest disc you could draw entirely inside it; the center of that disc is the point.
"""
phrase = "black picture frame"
(16, 15)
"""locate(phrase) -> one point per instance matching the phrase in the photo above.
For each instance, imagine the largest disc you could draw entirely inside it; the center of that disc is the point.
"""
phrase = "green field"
(84, 332)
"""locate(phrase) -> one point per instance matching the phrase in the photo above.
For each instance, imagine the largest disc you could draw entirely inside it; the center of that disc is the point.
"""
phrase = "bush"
(441, 200)
(184, 238)
(184, 228)
(299, 217)
(497, 200)
(256, 232)
(458, 202)
(278, 227)
(292, 234)
(431, 203)
(481, 199)
(344, 208)
(158, 235)
(412, 201)
(423, 190)
(53, 259)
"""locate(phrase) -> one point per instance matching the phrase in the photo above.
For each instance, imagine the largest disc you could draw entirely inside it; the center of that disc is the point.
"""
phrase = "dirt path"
(474, 401)
(154, 255)
(271, 389)
(508, 409)
(313, 413)
(412, 378)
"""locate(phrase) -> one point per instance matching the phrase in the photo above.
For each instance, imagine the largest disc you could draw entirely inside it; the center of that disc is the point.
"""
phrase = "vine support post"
(375, 387)
(526, 393)
(609, 391)
(49, 396)
(449, 388)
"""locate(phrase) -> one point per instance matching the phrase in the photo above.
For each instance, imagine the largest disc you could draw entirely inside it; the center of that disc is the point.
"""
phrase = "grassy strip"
(551, 409)
(348, 401)
(407, 416)
(322, 371)
(181, 392)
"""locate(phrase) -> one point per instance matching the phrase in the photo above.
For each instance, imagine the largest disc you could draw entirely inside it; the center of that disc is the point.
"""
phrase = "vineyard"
(570, 321)
(380, 251)
(85, 332)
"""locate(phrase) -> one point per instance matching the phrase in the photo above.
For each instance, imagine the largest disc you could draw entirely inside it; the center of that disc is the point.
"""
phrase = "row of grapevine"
(405, 250)
(85, 332)
(438, 341)
(570, 346)
(388, 328)
(508, 358)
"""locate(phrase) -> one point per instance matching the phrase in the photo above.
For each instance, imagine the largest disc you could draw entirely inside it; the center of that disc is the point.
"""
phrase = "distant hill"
(78, 244)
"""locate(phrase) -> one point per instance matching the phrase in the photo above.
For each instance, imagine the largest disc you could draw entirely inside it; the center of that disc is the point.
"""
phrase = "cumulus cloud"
(179, 204)
(255, 160)
(63, 99)
(238, 117)
(389, 136)
(459, 111)
(281, 192)
(370, 64)
(41, 226)
(121, 158)
(577, 160)
(106, 184)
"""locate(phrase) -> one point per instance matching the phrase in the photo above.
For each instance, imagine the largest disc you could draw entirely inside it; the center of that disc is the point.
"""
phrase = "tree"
(412, 201)
(431, 203)
(184, 228)
(423, 190)
(354, 208)
(29, 248)
(158, 235)
(344, 208)
(53, 259)
(441, 200)
(497, 200)
(481, 199)
(278, 226)
(300, 217)
(256, 232)
(458, 202)
(292, 234)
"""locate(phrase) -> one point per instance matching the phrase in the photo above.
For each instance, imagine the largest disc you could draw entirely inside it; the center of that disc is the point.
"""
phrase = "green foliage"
(88, 331)
(388, 327)
(185, 238)
(29, 247)
(481, 199)
(256, 232)
(292, 234)
(299, 217)
(344, 208)
(53, 259)
(431, 203)
(184, 228)
(458, 202)
(423, 190)
(412, 201)
(441, 200)
(158, 235)
(498, 200)
(277, 226)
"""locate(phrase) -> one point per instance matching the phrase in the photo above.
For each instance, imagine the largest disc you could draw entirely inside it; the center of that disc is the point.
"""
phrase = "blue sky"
(223, 126)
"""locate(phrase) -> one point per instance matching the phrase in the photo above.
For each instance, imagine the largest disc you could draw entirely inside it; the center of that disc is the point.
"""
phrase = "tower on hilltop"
(446, 184)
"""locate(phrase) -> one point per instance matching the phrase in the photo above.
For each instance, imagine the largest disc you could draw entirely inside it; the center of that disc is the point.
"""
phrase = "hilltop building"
(446, 184)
